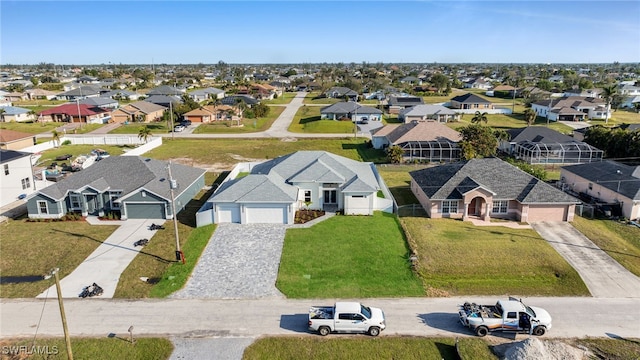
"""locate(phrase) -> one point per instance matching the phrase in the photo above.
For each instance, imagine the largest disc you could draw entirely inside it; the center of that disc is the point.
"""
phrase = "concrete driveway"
(105, 264)
(604, 277)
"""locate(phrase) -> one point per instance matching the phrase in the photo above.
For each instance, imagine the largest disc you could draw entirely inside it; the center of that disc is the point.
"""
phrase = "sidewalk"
(105, 264)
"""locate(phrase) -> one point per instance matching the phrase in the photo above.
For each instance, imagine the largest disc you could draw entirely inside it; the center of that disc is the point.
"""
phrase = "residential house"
(164, 100)
(411, 80)
(486, 189)
(275, 189)
(478, 83)
(574, 108)
(16, 140)
(165, 90)
(428, 112)
(420, 140)
(233, 100)
(341, 92)
(139, 111)
(630, 102)
(350, 110)
(100, 102)
(395, 104)
(595, 93)
(629, 90)
(40, 94)
(607, 182)
(76, 113)
(502, 90)
(81, 92)
(17, 114)
(134, 186)
(14, 96)
(16, 175)
(470, 101)
(122, 95)
(210, 93)
(211, 113)
(542, 145)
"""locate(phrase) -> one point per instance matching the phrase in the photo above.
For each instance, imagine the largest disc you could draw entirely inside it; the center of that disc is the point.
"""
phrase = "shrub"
(66, 142)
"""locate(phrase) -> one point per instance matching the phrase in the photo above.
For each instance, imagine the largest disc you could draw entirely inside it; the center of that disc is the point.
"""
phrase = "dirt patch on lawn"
(216, 167)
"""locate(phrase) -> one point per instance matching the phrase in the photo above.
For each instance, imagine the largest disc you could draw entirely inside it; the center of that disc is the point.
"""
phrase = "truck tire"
(539, 330)
(374, 331)
(482, 331)
(324, 330)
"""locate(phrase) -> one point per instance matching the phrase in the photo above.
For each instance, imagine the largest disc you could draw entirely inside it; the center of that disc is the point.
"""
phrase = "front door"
(91, 204)
(330, 197)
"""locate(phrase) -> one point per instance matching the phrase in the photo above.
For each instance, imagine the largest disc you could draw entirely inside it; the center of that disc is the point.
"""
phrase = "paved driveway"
(240, 262)
(604, 277)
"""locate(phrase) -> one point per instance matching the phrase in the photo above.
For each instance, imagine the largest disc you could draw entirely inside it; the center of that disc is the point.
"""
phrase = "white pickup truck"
(346, 317)
(506, 315)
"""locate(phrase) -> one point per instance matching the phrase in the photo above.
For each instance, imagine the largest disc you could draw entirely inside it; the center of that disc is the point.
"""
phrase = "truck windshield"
(365, 311)
(531, 312)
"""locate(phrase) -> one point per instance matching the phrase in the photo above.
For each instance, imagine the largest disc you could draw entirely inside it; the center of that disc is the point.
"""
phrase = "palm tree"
(607, 94)
(479, 117)
(144, 133)
(530, 116)
(2, 111)
(55, 137)
(395, 154)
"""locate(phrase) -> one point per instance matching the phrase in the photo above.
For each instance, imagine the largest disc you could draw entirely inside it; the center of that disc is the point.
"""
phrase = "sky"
(191, 32)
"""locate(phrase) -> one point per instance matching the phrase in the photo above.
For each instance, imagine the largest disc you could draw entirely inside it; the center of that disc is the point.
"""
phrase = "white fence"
(101, 140)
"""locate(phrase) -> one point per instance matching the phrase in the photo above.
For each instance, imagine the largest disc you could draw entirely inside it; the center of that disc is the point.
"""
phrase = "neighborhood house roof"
(9, 155)
(98, 101)
(419, 131)
(164, 90)
(620, 178)
(538, 134)
(505, 181)
(470, 98)
(126, 174)
(72, 110)
(426, 109)
(349, 107)
(14, 110)
(405, 101)
(7, 136)
(275, 180)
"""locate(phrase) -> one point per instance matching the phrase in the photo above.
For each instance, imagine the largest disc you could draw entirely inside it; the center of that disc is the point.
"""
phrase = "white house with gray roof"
(274, 190)
(350, 110)
(135, 187)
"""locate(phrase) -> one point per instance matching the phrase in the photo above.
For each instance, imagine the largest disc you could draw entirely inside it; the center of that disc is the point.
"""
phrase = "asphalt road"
(572, 317)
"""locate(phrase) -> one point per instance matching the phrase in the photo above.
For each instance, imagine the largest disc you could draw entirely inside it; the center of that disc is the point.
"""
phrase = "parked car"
(506, 315)
(185, 123)
(346, 317)
(363, 120)
(178, 128)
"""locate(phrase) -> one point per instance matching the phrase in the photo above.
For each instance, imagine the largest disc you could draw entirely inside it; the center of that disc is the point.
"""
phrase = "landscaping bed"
(303, 216)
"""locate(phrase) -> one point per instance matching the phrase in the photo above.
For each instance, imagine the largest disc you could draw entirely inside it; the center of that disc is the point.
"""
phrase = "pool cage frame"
(431, 151)
(557, 153)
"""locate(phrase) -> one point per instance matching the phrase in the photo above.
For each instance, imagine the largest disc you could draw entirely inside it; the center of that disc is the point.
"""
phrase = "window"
(74, 199)
(500, 206)
(512, 315)
(307, 196)
(449, 206)
(26, 183)
(345, 316)
(6, 169)
(42, 207)
(357, 196)
(113, 196)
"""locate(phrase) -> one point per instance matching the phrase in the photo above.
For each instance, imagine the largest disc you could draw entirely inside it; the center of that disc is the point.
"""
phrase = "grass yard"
(505, 122)
(398, 181)
(231, 151)
(458, 258)
(160, 127)
(307, 120)
(35, 248)
(619, 117)
(620, 241)
(94, 348)
(50, 155)
(359, 347)
(309, 99)
(348, 257)
(281, 100)
(249, 125)
(29, 127)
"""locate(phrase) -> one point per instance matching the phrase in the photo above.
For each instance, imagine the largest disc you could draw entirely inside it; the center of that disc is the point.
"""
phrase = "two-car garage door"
(145, 211)
(266, 214)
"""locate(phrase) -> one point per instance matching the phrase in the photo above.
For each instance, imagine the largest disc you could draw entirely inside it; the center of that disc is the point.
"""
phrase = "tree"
(480, 141)
(261, 110)
(395, 154)
(440, 81)
(144, 133)
(479, 117)
(530, 116)
(55, 137)
(2, 111)
(607, 94)
(637, 106)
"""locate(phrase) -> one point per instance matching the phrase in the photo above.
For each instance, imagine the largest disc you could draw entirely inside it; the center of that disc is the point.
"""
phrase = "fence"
(413, 210)
(101, 140)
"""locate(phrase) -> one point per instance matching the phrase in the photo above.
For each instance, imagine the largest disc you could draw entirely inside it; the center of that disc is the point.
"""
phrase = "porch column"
(100, 204)
(465, 211)
(84, 206)
(486, 217)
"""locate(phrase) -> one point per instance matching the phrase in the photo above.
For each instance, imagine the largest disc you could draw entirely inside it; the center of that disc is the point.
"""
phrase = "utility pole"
(171, 117)
(172, 185)
(67, 339)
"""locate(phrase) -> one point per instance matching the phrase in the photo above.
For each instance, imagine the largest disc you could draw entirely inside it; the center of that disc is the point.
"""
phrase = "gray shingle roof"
(426, 109)
(503, 179)
(470, 98)
(126, 174)
(9, 155)
(164, 90)
(618, 177)
(539, 134)
(349, 107)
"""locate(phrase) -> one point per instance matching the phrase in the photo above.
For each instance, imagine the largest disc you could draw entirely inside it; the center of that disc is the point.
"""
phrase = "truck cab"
(506, 315)
(346, 317)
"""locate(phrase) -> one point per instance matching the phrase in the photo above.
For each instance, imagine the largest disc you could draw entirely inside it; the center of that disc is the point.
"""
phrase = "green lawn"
(620, 241)
(95, 348)
(284, 99)
(325, 101)
(347, 257)
(504, 122)
(458, 258)
(248, 125)
(161, 127)
(619, 117)
(398, 181)
(30, 127)
(229, 151)
(355, 348)
(35, 248)
(48, 156)
(307, 120)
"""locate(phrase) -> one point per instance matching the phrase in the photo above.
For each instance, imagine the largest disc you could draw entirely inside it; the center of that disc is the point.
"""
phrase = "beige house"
(211, 113)
(489, 188)
(15, 140)
(139, 111)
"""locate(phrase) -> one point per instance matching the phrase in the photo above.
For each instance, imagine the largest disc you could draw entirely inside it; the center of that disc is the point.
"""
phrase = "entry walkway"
(108, 261)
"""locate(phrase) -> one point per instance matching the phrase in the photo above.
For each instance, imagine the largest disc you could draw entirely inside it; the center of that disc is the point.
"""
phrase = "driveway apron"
(604, 277)
(107, 262)
(240, 262)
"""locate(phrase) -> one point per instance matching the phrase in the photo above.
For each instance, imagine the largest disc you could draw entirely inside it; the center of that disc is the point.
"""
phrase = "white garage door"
(228, 214)
(357, 205)
(266, 214)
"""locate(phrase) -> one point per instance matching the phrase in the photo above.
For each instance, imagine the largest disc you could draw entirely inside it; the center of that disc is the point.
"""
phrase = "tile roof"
(620, 178)
(71, 109)
(506, 181)
(126, 174)
(420, 131)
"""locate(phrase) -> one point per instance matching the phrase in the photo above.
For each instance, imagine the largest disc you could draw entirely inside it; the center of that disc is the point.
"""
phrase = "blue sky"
(181, 32)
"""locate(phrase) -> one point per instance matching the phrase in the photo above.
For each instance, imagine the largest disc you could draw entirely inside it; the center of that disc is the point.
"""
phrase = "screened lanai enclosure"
(431, 151)
(557, 153)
